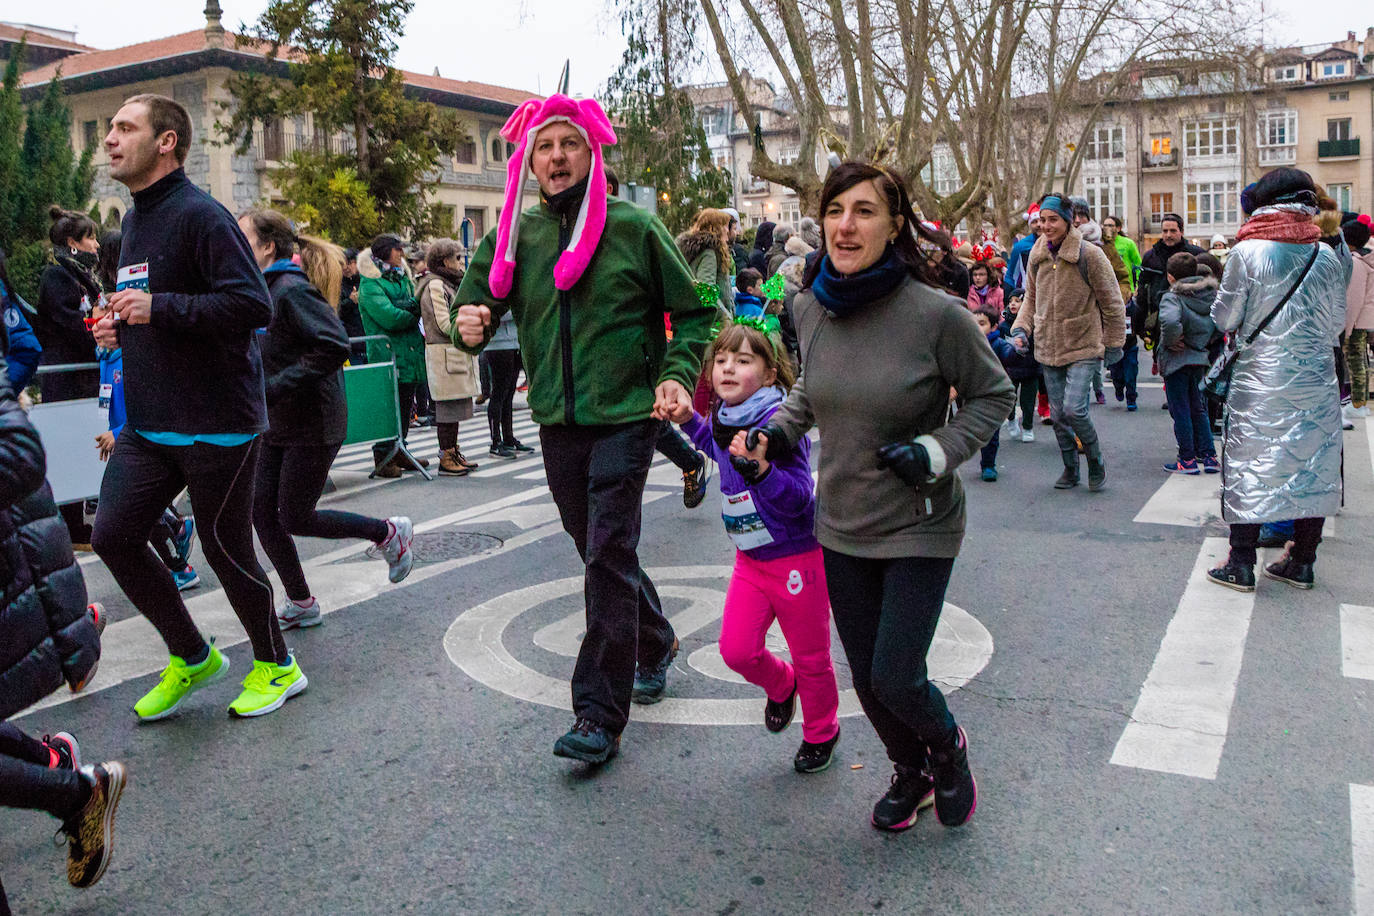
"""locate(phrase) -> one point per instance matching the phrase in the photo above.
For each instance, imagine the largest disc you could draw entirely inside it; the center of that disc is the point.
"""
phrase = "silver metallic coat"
(1282, 456)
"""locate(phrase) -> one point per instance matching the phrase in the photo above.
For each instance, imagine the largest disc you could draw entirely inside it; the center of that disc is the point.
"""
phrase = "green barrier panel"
(372, 410)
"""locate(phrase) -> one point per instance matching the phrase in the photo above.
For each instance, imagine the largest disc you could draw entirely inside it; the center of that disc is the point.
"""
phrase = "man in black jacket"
(189, 301)
(1154, 279)
(46, 637)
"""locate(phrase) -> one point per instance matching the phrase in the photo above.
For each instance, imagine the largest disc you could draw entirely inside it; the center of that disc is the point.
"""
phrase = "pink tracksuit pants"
(792, 590)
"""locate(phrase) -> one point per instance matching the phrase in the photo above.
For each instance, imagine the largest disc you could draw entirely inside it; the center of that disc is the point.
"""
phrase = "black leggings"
(1026, 390)
(290, 481)
(505, 372)
(140, 480)
(1307, 534)
(27, 782)
(886, 612)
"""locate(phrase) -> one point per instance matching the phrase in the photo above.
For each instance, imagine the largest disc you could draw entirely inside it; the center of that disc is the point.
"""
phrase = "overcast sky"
(523, 43)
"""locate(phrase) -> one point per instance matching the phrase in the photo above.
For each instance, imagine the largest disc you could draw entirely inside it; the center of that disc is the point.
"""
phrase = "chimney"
(214, 31)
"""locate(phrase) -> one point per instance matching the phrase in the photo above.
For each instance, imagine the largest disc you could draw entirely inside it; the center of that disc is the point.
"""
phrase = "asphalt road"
(402, 782)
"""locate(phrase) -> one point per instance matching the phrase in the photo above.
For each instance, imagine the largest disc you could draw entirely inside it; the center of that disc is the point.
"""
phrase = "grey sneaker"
(396, 549)
(291, 615)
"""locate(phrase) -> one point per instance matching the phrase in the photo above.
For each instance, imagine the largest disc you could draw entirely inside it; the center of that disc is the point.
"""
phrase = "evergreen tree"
(11, 151)
(340, 55)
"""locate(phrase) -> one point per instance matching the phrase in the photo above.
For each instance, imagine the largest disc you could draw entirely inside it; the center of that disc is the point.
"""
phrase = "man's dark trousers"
(597, 475)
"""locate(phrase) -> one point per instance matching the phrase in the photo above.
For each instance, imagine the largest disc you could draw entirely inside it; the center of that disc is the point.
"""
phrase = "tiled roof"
(14, 33)
(94, 61)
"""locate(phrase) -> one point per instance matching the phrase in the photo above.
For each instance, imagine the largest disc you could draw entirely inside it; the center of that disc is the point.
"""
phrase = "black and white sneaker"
(956, 791)
(777, 716)
(519, 447)
(504, 452)
(912, 789)
(694, 483)
(65, 753)
(812, 758)
(1234, 575)
(1290, 572)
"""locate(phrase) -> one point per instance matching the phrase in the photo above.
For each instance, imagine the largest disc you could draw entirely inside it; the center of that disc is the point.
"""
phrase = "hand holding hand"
(473, 321)
(106, 332)
(133, 305)
(672, 402)
(908, 460)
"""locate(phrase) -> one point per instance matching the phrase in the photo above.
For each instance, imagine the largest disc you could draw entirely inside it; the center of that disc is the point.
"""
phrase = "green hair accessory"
(767, 325)
(774, 288)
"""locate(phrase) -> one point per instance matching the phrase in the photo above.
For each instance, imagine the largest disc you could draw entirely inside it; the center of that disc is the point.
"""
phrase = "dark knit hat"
(1285, 186)
(1356, 233)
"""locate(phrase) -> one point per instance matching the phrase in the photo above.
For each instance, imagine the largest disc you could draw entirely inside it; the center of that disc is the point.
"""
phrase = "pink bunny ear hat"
(591, 122)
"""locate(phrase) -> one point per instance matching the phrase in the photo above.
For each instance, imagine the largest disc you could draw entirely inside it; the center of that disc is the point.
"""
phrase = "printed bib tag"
(132, 276)
(106, 396)
(743, 523)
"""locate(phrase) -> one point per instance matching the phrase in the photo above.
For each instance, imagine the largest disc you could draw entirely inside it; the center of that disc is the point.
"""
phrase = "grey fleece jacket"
(1185, 316)
(884, 375)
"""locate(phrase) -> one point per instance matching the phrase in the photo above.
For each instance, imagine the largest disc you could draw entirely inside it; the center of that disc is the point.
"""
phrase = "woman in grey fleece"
(882, 346)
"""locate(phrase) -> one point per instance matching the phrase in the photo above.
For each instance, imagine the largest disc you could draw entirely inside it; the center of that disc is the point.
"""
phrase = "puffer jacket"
(1282, 457)
(453, 374)
(1071, 320)
(1185, 315)
(46, 635)
(387, 303)
(1359, 295)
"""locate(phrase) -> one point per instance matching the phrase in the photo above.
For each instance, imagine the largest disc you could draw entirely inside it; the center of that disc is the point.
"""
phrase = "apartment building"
(195, 67)
(1187, 139)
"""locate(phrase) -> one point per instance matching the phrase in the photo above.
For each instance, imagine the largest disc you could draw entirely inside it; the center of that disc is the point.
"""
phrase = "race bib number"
(106, 396)
(1128, 325)
(132, 276)
(743, 522)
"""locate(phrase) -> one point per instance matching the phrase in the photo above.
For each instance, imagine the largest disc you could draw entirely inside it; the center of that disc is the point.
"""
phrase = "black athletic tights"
(140, 480)
(290, 481)
(505, 372)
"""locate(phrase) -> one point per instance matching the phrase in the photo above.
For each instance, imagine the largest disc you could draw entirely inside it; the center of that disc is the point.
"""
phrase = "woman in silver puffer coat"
(1282, 455)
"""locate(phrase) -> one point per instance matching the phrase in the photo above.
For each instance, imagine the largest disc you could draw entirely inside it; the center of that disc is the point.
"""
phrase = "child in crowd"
(987, 323)
(1185, 331)
(769, 511)
(985, 288)
(749, 294)
(1023, 370)
(173, 535)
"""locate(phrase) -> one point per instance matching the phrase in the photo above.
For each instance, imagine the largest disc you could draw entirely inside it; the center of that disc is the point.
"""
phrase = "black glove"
(908, 460)
(776, 447)
(748, 468)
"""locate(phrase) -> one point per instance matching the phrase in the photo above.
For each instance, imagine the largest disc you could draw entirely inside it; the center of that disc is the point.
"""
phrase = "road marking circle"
(475, 643)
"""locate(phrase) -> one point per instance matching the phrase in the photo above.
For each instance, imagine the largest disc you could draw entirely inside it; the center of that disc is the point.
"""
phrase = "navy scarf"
(843, 296)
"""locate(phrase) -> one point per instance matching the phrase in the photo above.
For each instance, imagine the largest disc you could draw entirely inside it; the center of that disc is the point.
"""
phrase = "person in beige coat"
(1073, 310)
(453, 375)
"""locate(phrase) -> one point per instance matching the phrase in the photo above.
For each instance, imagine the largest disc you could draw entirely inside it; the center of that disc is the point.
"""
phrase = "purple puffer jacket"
(785, 497)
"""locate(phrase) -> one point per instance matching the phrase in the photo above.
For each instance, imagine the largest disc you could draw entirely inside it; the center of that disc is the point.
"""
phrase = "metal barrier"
(374, 409)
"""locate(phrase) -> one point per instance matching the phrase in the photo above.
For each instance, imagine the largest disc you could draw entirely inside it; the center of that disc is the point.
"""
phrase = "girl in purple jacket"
(769, 511)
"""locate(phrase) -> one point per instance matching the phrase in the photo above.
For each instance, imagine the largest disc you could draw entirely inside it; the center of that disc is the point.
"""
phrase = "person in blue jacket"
(24, 349)
(987, 323)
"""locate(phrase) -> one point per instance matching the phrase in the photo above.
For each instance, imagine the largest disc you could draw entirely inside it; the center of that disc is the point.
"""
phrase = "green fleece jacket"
(594, 354)
(883, 375)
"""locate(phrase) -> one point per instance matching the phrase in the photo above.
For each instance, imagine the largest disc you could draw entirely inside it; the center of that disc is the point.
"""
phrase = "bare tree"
(1004, 85)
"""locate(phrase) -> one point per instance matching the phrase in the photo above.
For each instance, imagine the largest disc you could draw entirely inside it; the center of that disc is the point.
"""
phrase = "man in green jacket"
(387, 303)
(593, 281)
(1126, 372)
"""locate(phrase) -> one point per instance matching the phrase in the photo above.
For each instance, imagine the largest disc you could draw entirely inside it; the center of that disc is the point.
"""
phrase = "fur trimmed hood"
(1197, 292)
(797, 246)
(694, 244)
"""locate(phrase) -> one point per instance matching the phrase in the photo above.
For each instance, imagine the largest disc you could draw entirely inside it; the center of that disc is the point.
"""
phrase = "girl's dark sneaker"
(912, 789)
(956, 792)
(519, 447)
(777, 716)
(812, 758)
(1291, 572)
(1234, 575)
(1210, 464)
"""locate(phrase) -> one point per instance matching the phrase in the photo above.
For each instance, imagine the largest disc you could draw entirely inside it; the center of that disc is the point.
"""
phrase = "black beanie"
(1283, 186)
(1356, 233)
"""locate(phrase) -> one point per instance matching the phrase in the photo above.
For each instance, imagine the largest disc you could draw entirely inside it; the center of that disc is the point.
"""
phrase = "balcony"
(1338, 149)
(1277, 155)
(1152, 162)
(272, 144)
(753, 186)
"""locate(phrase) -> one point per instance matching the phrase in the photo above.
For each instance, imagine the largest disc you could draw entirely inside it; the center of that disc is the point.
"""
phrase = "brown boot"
(462, 459)
(391, 470)
(450, 465)
(407, 464)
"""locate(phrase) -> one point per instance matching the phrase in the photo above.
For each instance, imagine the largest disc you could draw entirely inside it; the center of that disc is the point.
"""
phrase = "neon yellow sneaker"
(180, 680)
(267, 687)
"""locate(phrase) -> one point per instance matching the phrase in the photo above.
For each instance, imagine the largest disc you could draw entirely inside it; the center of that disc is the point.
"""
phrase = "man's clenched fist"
(473, 321)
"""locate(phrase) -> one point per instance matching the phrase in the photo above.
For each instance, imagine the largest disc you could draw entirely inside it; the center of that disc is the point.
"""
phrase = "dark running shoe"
(956, 792)
(694, 483)
(1234, 575)
(912, 789)
(504, 452)
(812, 758)
(63, 751)
(519, 447)
(588, 742)
(777, 716)
(649, 684)
(1290, 572)
(90, 831)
